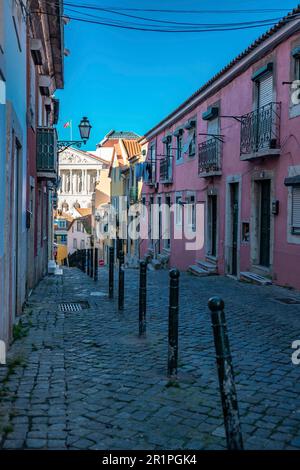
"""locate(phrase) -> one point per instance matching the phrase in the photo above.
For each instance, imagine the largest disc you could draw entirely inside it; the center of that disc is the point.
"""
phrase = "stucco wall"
(236, 99)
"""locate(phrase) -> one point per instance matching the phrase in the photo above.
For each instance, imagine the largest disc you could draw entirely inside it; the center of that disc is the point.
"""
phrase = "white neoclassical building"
(79, 171)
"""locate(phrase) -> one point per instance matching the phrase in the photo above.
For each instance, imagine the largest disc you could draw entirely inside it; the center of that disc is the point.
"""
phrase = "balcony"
(47, 159)
(165, 170)
(260, 132)
(133, 195)
(209, 158)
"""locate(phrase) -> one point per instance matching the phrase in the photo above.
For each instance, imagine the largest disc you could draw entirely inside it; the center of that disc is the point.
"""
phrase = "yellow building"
(62, 222)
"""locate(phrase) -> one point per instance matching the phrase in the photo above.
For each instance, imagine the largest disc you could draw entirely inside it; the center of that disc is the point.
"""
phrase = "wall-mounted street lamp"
(84, 130)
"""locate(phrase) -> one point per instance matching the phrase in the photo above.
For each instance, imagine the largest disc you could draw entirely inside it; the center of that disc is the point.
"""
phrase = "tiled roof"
(84, 211)
(122, 135)
(86, 221)
(63, 216)
(254, 45)
(133, 148)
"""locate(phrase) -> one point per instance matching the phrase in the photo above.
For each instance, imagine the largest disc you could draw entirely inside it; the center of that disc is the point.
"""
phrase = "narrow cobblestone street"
(84, 380)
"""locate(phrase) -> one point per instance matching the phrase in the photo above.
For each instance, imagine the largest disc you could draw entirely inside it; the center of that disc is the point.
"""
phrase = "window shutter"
(212, 128)
(296, 207)
(265, 94)
(188, 141)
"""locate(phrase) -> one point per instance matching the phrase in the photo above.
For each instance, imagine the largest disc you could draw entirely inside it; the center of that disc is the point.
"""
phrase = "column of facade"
(88, 182)
(76, 182)
(71, 182)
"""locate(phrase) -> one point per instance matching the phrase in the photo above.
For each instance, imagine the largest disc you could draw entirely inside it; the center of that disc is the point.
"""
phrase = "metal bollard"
(143, 298)
(91, 263)
(96, 265)
(173, 323)
(111, 273)
(226, 376)
(83, 260)
(88, 261)
(121, 281)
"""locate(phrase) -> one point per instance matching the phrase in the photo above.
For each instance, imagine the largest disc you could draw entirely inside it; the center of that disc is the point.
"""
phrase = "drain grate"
(288, 301)
(73, 306)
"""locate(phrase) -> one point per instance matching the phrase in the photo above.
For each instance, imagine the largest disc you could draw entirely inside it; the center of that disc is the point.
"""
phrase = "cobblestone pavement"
(84, 380)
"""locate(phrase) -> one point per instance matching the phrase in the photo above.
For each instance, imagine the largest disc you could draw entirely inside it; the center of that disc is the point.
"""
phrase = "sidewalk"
(84, 380)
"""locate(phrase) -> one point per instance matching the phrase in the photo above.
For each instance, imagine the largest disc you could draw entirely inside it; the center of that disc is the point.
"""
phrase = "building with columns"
(79, 172)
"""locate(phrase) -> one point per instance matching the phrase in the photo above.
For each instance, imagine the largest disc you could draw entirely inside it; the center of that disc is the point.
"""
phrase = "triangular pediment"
(77, 157)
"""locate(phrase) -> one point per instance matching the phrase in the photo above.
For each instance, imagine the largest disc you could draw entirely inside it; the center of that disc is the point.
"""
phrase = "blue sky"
(130, 80)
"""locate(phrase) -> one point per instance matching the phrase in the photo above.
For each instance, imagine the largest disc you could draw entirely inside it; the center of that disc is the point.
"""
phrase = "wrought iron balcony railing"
(47, 159)
(209, 157)
(165, 170)
(260, 129)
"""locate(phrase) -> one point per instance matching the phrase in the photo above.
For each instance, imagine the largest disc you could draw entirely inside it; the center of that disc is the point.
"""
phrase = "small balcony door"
(212, 225)
(265, 223)
(264, 120)
(234, 195)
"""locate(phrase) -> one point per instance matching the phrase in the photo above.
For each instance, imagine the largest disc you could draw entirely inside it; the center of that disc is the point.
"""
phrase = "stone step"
(197, 271)
(155, 263)
(207, 266)
(248, 276)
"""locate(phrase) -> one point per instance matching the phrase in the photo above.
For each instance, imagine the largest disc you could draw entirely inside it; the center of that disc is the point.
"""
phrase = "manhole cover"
(288, 301)
(73, 306)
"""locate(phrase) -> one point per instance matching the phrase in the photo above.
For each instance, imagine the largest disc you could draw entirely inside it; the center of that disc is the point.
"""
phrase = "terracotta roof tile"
(84, 211)
(133, 148)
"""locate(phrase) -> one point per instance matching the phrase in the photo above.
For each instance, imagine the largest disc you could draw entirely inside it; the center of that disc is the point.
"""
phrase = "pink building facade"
(233, 151)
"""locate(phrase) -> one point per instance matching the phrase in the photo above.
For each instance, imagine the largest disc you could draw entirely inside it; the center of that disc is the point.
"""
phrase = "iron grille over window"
(165, 170)
(260, 129)
(150, 171)
(209, 156)
(46, 150)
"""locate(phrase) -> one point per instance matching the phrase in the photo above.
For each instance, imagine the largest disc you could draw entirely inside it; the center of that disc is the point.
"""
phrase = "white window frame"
(295, 228)
(292, 238)
(178, 209)
(191, 210)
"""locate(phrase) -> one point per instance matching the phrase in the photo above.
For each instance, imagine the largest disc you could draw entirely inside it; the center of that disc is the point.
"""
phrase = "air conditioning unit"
(37, 52)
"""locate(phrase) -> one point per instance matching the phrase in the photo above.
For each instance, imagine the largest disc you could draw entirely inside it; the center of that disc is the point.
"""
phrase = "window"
(168, 147)
(150, 226)
(45, 215)
(191, 211)
(62, 223)
(179, 146)
(192, 146)
(295, 210)
(297, 68)
(82, 245)
(75, 243)
(178, 210)
(61, 239)
(144, 208)
(78, 226)
(153, 163)
(167, 225)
